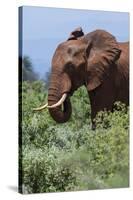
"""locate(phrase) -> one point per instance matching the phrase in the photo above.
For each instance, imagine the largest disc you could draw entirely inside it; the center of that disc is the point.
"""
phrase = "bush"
(71, 156)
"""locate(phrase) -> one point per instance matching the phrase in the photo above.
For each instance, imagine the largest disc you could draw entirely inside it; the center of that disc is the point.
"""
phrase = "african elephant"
(95, 60)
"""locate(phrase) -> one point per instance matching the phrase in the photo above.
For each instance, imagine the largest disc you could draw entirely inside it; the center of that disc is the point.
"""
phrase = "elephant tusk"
(41, 108)
(60, 102)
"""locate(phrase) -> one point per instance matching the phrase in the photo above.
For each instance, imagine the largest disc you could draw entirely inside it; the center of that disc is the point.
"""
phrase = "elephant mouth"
(70, 93)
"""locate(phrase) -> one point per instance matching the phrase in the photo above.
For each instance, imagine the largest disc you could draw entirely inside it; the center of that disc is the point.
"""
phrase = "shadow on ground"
(13, 188)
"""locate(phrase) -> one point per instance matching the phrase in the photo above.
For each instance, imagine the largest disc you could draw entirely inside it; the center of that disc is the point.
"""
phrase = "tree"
(47, 78)
(28, 73)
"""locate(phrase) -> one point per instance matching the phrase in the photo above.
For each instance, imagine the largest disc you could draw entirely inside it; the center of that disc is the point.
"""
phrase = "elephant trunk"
(60, 114)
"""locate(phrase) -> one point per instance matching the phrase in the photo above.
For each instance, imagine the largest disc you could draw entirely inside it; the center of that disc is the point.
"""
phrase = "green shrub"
(71, 156)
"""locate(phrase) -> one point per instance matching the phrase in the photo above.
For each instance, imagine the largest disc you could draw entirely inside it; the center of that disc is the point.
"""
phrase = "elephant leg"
(97, 107)
(100, 99)
(93, 126)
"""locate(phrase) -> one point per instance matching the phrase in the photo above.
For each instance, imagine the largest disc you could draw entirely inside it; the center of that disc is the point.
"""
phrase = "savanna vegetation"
(71, 156)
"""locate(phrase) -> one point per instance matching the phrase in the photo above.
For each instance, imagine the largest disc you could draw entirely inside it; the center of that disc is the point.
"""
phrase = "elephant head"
(81, 60)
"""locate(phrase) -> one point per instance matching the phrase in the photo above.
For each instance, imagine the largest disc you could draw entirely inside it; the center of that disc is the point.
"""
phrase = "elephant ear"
(74, 35)
(102, 52)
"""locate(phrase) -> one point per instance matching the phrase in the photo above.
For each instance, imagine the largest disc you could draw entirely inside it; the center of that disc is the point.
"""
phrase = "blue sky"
(45, 28)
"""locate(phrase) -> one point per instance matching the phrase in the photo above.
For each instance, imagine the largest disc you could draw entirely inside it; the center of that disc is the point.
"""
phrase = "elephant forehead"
(73, 44)
(68, 51)
(71, 47)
